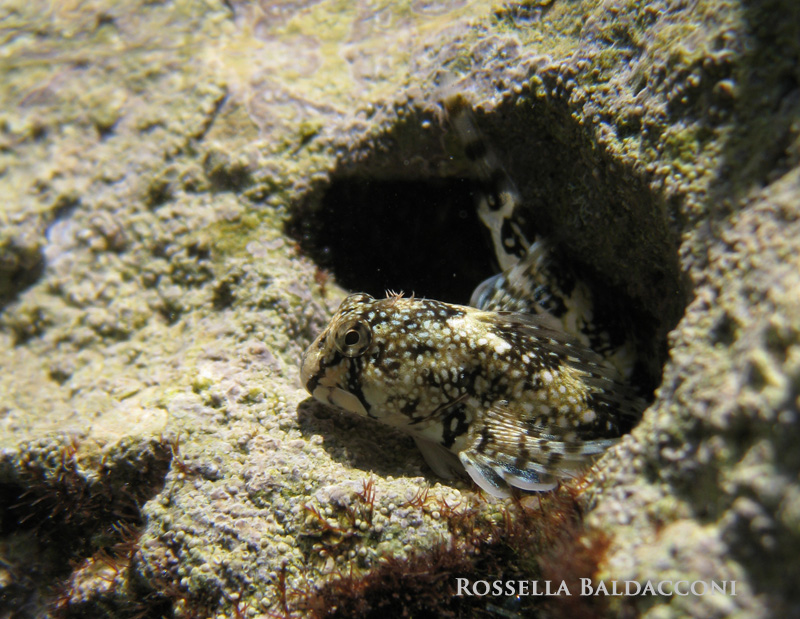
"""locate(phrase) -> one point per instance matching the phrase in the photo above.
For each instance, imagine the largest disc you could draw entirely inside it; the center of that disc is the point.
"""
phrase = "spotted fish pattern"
(517, 402)
(519, 390)
(533, 279)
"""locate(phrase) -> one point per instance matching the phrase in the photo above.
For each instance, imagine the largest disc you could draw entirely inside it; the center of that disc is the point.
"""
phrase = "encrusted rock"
(154, 160)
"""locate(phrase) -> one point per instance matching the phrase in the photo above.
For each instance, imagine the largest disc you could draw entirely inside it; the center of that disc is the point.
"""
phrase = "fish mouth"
(323, 387)
(309, 369)
(338, 397)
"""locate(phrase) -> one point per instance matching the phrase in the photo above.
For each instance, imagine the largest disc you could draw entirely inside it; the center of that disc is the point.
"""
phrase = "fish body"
(533, 278)
(504, 395)
(520, 389)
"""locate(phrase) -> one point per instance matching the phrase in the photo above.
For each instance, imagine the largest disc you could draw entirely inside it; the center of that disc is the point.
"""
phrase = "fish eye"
(352, 338)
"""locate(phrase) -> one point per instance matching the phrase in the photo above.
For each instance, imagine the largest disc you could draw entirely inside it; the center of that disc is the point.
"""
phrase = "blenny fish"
(520, 390)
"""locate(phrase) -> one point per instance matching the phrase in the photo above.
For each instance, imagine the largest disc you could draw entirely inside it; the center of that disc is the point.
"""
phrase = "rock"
(186, 189)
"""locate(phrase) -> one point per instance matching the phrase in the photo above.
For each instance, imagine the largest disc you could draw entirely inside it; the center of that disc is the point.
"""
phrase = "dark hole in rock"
(416, 236)
(400, 215)
(17, 275)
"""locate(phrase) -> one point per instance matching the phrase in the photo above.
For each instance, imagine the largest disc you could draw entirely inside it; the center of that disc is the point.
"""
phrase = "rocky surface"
(186, 184)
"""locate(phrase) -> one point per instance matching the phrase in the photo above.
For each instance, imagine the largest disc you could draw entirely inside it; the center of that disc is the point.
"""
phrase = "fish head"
(389, 359)
(330, 368)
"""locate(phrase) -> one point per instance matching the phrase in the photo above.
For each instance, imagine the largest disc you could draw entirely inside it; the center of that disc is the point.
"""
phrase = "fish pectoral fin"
(484, 474)
(496, 478)
(443, 461)
(503, 450)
